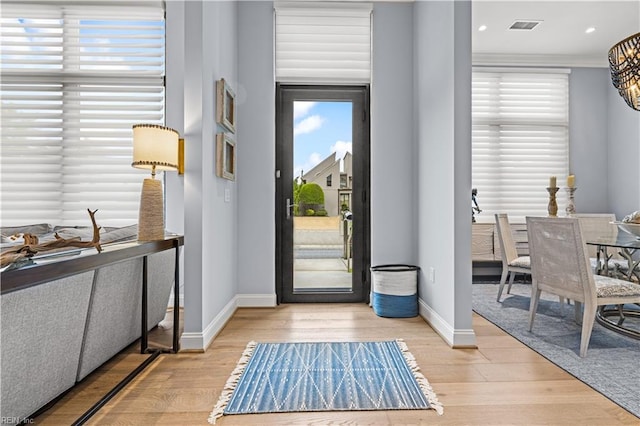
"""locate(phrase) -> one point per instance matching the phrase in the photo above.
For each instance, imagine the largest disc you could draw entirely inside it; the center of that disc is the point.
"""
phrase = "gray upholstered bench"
(62, 318)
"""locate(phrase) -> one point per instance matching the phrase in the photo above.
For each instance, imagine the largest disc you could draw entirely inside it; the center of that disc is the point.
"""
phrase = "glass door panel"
(322, 160)
(322, 173)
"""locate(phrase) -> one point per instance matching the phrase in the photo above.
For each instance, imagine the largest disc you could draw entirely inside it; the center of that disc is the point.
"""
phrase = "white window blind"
(323, 42)
(519, 139)
(73, 81)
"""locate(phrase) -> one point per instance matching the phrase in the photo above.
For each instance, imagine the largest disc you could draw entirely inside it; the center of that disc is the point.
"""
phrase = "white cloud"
(341, 148)
(313, 160)
(308, 125)
(300, 108)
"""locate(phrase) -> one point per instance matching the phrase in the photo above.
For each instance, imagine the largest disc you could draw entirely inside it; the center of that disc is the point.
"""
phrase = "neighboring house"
(334, 177)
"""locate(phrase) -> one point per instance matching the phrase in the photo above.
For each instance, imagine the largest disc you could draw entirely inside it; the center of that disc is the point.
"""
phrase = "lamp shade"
(624, 62)
(155, 147)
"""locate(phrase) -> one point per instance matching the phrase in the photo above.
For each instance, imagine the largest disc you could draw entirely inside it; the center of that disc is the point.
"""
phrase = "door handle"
(289, 207)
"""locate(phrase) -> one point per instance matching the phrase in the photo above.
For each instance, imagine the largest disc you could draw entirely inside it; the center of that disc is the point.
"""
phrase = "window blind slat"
(519, 140)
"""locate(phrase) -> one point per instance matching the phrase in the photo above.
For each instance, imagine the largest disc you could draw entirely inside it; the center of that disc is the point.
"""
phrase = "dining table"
(626, 245)
(614, 317)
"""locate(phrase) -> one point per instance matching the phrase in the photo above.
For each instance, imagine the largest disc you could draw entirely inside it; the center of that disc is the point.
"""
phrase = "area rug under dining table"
(611, 365)
(328, 376)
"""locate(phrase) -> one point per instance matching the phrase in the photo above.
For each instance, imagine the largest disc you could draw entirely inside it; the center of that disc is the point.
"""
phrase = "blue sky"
(320, 128)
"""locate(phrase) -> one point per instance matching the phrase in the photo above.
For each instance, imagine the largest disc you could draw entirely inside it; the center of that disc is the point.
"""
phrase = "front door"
(322, 203)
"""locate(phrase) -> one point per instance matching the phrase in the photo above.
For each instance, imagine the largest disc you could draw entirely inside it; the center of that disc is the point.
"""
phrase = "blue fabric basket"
(395, 290)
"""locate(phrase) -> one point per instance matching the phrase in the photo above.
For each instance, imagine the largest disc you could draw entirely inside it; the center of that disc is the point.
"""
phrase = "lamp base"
(151, 214)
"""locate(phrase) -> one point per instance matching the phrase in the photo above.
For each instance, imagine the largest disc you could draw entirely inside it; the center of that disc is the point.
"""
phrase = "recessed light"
(482, 28)
(590, 30)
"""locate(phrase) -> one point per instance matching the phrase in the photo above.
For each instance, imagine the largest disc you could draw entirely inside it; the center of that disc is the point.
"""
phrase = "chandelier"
(624, 62)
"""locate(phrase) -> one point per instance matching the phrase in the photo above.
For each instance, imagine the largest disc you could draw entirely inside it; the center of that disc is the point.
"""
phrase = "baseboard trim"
(462, 338)
(256, 300)
(199, 342)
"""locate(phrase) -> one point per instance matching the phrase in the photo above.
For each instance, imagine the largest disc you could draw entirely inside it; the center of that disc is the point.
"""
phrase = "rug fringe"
(420, 378)
(232, 382)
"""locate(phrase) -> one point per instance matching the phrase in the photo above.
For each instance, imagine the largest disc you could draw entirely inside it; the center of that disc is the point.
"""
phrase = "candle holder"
(552, 208)
(571, 207)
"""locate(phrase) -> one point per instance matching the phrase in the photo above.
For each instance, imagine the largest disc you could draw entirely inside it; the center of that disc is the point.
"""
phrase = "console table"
(66, 314)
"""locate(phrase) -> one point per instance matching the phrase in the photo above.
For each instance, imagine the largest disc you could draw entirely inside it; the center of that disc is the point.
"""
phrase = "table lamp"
(156, 148)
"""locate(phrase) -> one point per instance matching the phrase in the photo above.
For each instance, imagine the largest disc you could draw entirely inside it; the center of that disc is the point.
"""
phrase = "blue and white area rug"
(296, 377)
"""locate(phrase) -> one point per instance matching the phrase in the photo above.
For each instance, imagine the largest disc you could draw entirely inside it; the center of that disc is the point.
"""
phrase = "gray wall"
(624, 156)
(604, 145)
(256, 149)
(174, 110)
(392, 187)
(203, 35)
(393, 201)
(588, 151)
(442, 121)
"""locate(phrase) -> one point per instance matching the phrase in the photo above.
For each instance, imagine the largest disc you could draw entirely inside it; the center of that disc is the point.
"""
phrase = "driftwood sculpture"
(31, 246)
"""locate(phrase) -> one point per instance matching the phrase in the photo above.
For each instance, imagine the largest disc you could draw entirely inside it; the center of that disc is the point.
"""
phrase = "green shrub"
(309, 212)
(311, 193)
(322, 212)
(344, 207)
(296, 210)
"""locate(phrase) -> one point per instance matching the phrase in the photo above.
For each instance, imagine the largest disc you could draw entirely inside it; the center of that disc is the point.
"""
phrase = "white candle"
(552, 182)
(571, 181)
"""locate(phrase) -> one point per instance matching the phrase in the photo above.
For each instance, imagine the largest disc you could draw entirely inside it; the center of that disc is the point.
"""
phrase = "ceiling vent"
(524, 25)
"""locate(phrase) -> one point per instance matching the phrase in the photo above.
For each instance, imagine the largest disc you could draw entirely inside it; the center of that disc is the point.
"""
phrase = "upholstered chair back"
(559, 258)
(507, 243)
(597, 225)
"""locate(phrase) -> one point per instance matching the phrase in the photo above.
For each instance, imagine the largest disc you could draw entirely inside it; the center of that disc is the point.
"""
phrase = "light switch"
(227, 195)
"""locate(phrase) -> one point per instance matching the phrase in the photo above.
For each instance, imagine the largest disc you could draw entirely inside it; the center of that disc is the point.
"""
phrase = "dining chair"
(511, 263)
(596, 225)
(560, 266)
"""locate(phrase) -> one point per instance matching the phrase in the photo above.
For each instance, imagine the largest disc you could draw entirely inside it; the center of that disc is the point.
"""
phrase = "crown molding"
(499, 59)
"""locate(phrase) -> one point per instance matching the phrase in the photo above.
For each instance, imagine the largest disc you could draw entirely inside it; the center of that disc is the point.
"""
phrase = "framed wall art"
(225, 106)
(225, 156)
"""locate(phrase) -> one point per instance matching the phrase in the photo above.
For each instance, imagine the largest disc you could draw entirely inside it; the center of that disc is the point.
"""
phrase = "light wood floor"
(502, 382)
